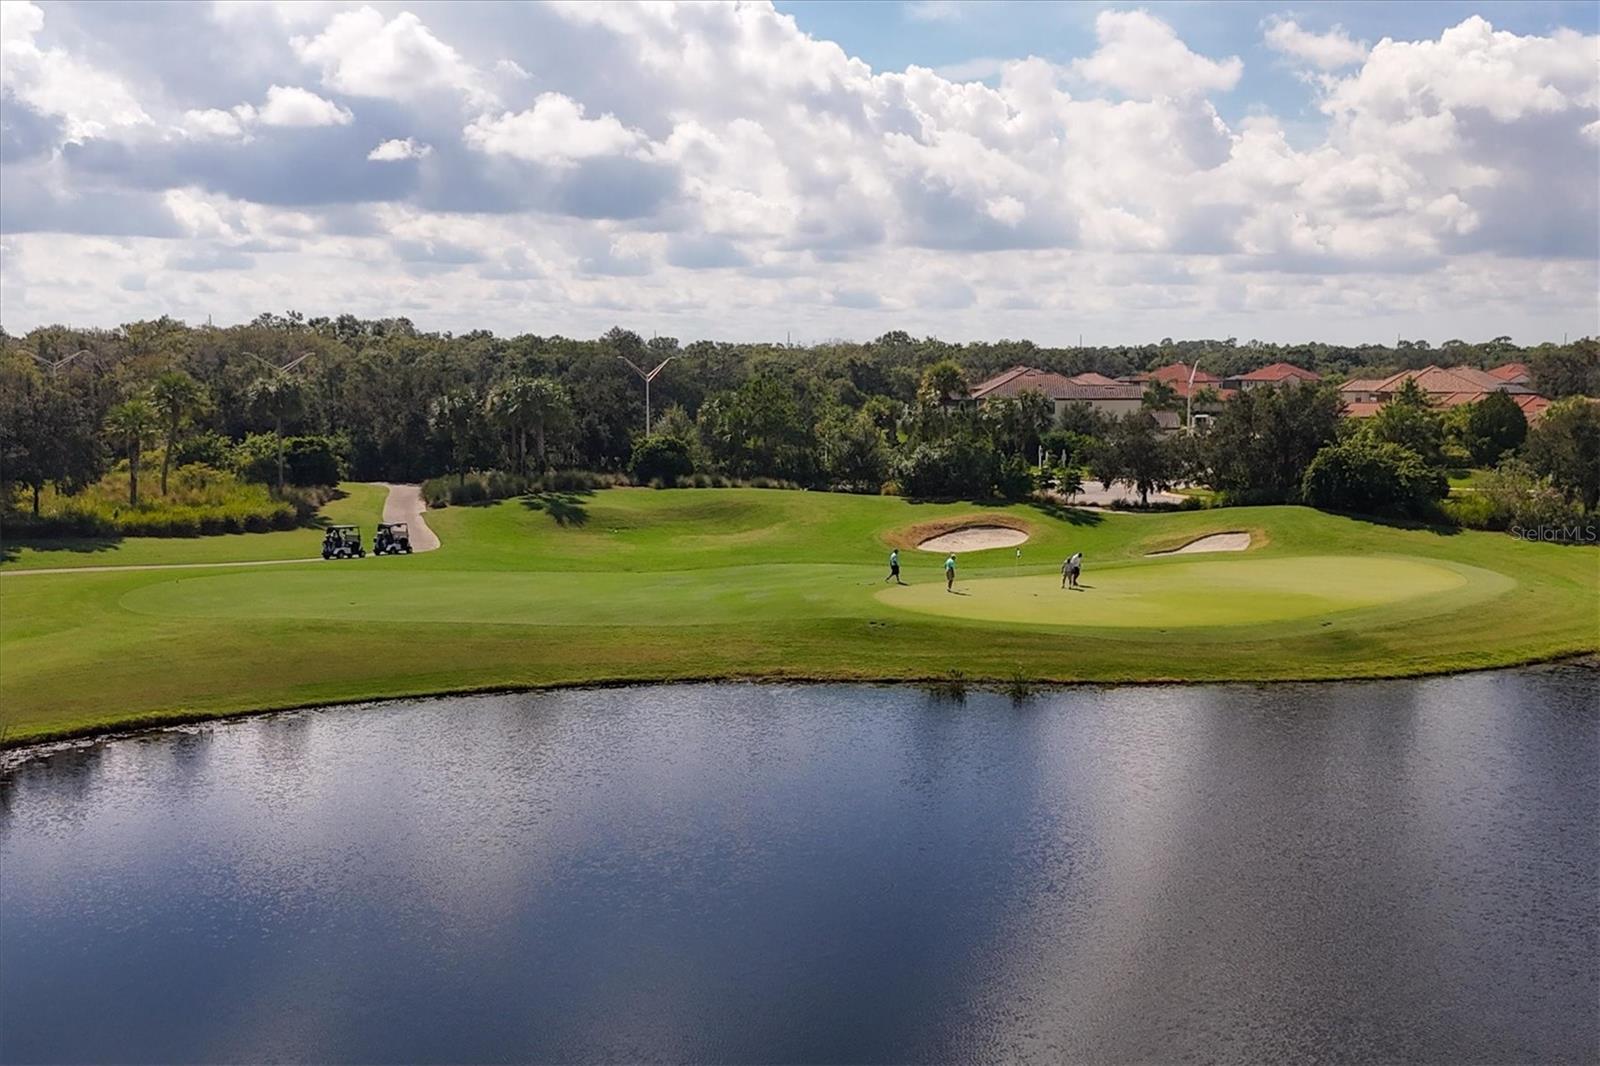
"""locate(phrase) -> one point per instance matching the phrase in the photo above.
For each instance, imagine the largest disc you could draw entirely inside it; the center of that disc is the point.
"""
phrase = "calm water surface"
(1378, 871)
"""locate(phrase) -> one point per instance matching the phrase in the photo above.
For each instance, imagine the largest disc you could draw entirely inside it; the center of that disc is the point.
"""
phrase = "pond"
(1380, 871)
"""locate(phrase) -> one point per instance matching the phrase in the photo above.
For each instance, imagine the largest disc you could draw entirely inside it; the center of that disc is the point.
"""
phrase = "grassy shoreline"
(153, 723)
(634, 586)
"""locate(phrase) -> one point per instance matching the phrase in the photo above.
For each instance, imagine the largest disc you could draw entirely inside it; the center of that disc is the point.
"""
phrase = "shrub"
(208, 448)
(481, 486)
(1368, 476)
(661, 459)
(306, 460)
(958, 467)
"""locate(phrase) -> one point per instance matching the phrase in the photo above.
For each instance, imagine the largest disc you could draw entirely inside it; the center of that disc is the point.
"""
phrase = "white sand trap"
(1217, 542)
(974, 539)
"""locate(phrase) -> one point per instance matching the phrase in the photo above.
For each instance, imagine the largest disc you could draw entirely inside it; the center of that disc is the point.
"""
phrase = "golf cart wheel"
(408, 549)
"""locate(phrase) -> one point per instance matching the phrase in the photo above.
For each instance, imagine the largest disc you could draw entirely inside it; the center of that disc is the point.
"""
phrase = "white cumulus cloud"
(363, 54)
(554, 131)
(1325, 51)
(1142, 56)
(394, 150)
(293, 106)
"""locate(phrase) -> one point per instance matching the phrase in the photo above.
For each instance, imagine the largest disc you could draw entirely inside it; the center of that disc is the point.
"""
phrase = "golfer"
(894, 567)
(1074, 567)
(950, 573)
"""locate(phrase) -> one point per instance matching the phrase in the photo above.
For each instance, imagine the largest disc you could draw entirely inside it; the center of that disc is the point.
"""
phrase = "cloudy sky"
(744, 171)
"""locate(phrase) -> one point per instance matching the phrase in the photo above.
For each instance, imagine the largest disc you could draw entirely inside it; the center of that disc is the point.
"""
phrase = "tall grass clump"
(200, 501)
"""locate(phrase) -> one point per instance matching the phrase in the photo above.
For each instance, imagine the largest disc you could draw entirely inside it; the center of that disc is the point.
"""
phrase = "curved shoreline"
(23, 749)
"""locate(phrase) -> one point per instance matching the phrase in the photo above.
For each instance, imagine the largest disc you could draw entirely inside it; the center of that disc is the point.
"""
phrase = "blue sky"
(892, 35)
(818, 169)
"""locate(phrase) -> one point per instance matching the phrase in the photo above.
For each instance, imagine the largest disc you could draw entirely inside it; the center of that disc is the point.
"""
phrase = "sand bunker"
(974, 539)
(1216, 542)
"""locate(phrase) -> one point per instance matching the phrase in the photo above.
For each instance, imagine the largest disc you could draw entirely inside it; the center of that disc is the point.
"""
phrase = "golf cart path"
(404, 504)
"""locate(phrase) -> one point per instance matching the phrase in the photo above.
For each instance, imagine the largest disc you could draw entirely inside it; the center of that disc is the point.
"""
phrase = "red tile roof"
(1017, 380)
(1517, 372)
(1533, 406)
(1173, 373)
(1280, 372)
(1020, 379)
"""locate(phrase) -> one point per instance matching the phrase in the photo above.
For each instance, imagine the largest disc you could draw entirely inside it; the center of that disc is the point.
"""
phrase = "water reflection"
(1381, 871)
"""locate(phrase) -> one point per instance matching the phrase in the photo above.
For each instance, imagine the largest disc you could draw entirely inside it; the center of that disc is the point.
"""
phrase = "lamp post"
(1189, 399)
(56, 365)
(286, 367)
(647, 377)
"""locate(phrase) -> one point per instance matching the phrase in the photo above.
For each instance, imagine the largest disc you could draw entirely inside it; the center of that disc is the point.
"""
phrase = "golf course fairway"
(642, 585)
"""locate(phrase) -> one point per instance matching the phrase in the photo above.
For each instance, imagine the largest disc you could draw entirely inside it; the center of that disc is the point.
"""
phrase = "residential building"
(1105, 395)
(1275, 374)
(1445, 387)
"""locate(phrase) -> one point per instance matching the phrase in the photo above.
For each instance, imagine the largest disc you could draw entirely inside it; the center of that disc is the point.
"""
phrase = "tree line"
(288, 400)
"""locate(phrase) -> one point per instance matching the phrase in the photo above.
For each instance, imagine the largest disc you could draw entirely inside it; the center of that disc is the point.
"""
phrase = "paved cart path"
(404, 504)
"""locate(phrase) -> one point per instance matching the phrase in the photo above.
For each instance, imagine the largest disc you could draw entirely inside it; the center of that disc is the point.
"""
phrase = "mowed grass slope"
(635, 584)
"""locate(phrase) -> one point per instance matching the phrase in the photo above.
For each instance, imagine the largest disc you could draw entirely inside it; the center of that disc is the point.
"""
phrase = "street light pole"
(647, 377)
(56, 365)
(1189, 399)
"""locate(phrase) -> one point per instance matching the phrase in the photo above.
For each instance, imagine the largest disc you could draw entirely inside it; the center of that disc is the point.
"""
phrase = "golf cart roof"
(332, 529)
(391, 525)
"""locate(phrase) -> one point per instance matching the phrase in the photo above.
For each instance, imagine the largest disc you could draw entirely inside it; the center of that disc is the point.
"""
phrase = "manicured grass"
(1471, 481)
(635, 584)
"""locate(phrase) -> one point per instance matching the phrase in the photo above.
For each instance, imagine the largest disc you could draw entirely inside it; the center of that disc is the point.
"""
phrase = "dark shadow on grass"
(1077, 516)
(11, 548)
(318, 520)
(567, 508)
(1061, 512)
(1439, 528)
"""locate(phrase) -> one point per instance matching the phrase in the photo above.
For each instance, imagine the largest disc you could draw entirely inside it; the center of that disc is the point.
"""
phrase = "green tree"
(456, 419)
(1259, 446)
(659, 458)
(943, 382)
(133, 424)
(1567, 370)
(176, 396)
(1159, 396)
(537, 405)
(47, 436)
(1564, 446)
(854, 453)
(280, 397)
(1410, 424)
(1493, 427)
(1370, 476)
(1134, 452)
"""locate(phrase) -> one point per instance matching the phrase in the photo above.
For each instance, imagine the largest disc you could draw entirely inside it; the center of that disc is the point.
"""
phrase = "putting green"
(1206, 593)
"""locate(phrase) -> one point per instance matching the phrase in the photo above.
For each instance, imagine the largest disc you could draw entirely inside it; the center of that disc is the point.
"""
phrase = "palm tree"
(134, 424)
(280, 397)
(522, 404)
(175, 396)
(1160, 395)
(455, 418)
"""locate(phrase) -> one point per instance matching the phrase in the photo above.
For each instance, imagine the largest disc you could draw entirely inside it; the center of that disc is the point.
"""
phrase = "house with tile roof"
(1274, 374)
(1445, 387)
(1513, 373)
(1105, 395)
